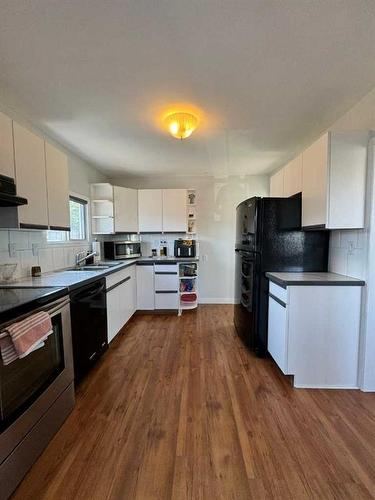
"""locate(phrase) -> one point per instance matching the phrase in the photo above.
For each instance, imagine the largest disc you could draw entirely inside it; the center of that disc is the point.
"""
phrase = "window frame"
(84, 201)
(67, 239)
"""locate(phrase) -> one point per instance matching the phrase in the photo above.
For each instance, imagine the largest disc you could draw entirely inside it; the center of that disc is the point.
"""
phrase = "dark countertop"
(18, 301)
(313, 279)
(75, 279)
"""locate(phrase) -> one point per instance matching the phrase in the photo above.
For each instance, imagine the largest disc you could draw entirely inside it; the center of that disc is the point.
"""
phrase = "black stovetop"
(17, 301)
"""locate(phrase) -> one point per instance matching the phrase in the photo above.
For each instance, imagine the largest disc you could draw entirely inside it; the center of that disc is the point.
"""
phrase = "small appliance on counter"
(119, 250)
(185, 248)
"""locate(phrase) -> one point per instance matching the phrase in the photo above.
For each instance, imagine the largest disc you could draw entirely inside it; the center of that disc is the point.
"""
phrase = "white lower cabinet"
(145, 288)
(277, 333)
(121, 299)
(314, 334)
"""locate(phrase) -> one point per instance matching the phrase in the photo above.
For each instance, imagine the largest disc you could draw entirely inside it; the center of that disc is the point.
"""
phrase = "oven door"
(29, 386)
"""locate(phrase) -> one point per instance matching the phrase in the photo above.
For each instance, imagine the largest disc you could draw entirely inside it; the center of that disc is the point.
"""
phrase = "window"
(77, 218)
(78, 223)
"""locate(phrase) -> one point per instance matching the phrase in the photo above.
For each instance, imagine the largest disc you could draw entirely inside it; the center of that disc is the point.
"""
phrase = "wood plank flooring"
(178, 409)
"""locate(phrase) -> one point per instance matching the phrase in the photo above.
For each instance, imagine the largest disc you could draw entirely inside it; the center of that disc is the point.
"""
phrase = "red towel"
(23, 337)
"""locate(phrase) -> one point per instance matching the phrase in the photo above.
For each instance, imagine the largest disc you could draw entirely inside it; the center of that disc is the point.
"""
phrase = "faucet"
(81, 257)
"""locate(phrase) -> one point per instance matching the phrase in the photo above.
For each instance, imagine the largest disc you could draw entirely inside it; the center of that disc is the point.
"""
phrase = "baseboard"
(321, 386)
(216, 300)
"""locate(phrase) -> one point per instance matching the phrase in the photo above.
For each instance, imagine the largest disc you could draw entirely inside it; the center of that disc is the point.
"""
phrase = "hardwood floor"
(178, 409)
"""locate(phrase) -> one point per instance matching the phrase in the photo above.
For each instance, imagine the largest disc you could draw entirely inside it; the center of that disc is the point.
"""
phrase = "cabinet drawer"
(166, 300)
(279, 292)
(166, 268)
(115, 278)
(277, 334)
(166, 282)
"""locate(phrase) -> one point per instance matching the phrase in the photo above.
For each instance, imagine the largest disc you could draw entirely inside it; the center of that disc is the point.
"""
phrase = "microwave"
(114, 250)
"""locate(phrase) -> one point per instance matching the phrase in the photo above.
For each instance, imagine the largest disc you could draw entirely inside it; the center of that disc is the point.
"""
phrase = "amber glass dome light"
(181, 125)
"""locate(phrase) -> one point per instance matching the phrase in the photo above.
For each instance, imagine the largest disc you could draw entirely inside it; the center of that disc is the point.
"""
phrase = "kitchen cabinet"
(334, 181)
(174, 210)
(31, 181)
(57, 173)
(277, 332)
(6, 147)
(313, 333)
(121, 299)
(125, 210)
(166, 286)
(277, 184)
(145, 287)
(150, 210)
(293, 177)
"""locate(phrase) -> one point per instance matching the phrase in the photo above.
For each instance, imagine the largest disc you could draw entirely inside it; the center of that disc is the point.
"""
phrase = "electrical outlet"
(12, 249)
(35, 249)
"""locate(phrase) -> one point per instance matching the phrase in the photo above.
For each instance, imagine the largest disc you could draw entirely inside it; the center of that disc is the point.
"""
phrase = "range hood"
(8, 193)
(9, 201)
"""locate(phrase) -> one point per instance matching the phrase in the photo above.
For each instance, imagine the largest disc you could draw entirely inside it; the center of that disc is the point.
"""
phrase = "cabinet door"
(57, 188)
(145, 288)
(113, 313)
(174, 210)
(31, 177)
(347, 180)
(6, 146)
(293, 177)
(277, 184)
(150, 210)
(125, 209)
(277, 334)
(314, 183)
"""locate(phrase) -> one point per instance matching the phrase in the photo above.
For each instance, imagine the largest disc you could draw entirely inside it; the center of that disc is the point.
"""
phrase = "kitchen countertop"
(311, 279)
(18, 301)
(75, 279)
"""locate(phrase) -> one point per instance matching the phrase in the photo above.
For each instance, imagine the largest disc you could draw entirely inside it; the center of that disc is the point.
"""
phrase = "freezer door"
(246, 224)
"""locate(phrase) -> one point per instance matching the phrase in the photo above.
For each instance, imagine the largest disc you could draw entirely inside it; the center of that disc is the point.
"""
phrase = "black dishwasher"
(88, 311)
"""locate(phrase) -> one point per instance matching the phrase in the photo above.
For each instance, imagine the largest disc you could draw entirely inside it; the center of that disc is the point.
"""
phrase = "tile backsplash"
(30, 248)
(347, 252)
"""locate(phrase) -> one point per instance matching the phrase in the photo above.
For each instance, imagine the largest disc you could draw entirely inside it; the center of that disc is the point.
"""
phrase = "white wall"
(217, 199)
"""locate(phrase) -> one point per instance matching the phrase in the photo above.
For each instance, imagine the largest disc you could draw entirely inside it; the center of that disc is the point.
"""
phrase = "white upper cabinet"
(150, 210)
(293, 177)
(6, 146)
(277, 184)
(125, 210)
(57, 188)
(334, 181)
(314, 183)
(31, 177)
(174, 210)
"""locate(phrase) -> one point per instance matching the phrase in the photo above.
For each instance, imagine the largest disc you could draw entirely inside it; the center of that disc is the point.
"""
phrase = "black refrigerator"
(269, 238)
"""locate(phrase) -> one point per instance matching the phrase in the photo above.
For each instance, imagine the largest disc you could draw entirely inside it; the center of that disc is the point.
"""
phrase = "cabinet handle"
(118, 284)
(166, 291)
(174, 273)
(103, 344)
(277, 300)
(92, 356)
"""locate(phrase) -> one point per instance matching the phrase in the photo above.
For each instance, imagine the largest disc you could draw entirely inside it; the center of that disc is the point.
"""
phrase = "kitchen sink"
(95, 267)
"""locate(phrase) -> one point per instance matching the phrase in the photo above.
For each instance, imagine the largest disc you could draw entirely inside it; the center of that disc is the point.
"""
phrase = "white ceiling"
(269, 75)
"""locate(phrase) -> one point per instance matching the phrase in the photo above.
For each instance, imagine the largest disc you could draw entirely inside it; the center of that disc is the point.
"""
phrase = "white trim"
(220, 300)
(323, 386)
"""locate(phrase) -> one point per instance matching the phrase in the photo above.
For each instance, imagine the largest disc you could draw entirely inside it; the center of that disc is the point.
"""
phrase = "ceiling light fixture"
(181, 125)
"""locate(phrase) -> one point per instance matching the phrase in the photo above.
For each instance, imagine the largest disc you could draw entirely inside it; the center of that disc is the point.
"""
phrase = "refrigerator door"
(246, 296)
(246, 224)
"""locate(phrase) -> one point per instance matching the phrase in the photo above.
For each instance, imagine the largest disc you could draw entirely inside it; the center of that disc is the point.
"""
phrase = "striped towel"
(20, 339)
